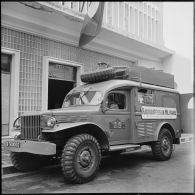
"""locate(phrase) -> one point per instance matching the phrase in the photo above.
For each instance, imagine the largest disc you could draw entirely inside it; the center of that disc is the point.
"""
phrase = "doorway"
(61, 79)
(5, 92)
(57, 90)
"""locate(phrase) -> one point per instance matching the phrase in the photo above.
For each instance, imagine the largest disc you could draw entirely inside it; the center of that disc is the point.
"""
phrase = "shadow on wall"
(187, 108)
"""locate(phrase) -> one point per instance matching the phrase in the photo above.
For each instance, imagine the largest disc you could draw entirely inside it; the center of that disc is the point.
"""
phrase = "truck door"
(144, 127)
(117, 116)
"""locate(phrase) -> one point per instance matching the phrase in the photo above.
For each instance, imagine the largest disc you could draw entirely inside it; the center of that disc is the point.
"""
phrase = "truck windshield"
(83, 98)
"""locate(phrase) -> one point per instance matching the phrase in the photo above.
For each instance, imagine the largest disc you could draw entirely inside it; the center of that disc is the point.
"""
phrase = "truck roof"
(118, 83)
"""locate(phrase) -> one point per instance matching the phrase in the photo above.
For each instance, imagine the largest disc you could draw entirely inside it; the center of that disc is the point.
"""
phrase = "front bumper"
(34, 147)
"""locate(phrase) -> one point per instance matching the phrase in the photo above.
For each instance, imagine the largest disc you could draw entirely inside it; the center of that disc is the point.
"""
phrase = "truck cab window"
(146, 91)
(145, 96)
(116, 101)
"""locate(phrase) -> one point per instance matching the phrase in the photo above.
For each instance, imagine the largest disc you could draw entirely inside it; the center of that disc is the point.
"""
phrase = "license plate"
(13, 144)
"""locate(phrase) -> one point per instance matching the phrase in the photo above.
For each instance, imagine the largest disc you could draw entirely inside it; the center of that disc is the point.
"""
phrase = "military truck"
(116, 109)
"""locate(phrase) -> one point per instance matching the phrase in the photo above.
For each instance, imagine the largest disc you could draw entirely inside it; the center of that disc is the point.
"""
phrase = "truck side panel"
(171, 100)
(161, 107)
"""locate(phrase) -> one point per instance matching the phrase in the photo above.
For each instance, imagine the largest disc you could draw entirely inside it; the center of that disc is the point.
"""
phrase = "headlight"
(51, 122)
(17, 123)
(16, 134)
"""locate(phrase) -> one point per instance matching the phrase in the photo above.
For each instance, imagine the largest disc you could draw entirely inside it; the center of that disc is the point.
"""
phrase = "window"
(136, 22)
(83, 98)
(149, 28)
(5, 63)
(126, 17)
(140, 24)
(121, 15)
(109, 13)
(168, 101)
(146, 96)
(131, 20)
(116, 100)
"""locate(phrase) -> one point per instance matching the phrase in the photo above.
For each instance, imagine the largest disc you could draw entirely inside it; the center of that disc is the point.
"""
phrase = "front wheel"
(80, 158)
(162, 148)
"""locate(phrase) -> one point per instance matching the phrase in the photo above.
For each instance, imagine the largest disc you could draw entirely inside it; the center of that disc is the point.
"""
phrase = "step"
(124, 147)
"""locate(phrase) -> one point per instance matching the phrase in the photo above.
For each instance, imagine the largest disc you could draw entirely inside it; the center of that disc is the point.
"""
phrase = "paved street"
(137, 172)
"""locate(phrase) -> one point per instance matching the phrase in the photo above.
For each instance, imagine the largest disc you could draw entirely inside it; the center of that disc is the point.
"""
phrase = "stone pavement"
(5, 155)
(6, 161)
(135, 173)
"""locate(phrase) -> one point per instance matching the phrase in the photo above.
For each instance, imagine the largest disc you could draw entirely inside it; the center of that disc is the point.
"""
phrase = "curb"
(17, 174)
(9, 171)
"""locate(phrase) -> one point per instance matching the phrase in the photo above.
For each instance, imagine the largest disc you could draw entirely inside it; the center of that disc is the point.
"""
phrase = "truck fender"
(159, 126)
(101, 135)
(63, 126)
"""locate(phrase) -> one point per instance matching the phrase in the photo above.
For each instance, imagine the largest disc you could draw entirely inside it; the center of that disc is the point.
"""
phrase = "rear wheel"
(162, 148)
(80, 158)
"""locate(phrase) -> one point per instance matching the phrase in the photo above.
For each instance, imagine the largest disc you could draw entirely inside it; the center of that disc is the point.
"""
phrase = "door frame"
(115, 114)
(45, 73)
(14, 88)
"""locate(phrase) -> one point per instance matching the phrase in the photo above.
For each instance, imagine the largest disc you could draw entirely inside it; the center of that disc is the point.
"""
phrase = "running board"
(124, 147)
(185, 138)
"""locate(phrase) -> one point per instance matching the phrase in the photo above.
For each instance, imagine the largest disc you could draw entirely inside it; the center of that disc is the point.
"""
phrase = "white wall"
(178, 36)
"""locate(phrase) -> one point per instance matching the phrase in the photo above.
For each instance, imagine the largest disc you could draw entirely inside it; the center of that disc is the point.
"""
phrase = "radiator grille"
(30, 127)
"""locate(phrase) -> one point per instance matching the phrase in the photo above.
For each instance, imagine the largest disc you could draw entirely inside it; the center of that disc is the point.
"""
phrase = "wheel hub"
(165, 144)
(85, 158)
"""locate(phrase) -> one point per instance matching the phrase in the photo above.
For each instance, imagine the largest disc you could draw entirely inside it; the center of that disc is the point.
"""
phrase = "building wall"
(182, 69)
(143, 20)
(32, 49)
(36, 47)
(178, 33)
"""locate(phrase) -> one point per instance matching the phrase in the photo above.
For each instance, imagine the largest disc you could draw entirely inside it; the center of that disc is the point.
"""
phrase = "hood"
(85, 109)
(76, 110)
(74, 113)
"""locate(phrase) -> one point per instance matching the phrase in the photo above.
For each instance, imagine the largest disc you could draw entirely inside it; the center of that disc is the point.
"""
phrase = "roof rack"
(133, 73)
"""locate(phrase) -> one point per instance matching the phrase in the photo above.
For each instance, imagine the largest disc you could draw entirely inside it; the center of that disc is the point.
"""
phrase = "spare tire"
(103, 75)
(97, 76)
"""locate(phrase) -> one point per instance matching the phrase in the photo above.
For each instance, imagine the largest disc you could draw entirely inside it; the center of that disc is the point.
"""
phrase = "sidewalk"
(5, 155)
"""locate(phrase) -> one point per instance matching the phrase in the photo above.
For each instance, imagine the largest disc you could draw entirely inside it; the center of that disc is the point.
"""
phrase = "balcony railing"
(138, 19)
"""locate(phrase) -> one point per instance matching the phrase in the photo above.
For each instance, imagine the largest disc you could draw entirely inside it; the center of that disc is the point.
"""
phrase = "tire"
(162, 148)
(80, 159)
(26, 162)
(98, 76)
